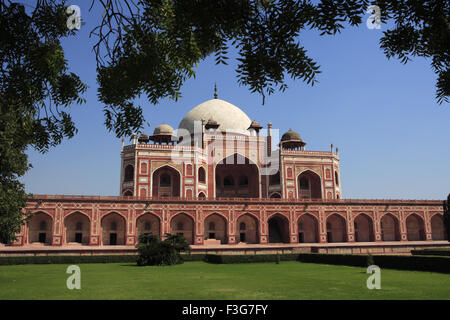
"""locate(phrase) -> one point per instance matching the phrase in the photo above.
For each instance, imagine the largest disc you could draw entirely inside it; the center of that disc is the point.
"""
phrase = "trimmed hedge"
(83, 259)
(432, 252)
(414, 263)
(226, 258)
(67, 259)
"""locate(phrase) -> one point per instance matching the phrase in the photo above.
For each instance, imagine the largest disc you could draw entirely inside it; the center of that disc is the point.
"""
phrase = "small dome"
(163, 129)
(291, 136)
(143, 138)
(255, 125)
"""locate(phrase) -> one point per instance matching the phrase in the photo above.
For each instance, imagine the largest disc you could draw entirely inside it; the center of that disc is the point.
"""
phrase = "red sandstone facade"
(319, 221)
(218, 178)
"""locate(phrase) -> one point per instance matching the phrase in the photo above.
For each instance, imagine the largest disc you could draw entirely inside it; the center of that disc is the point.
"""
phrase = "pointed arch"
(336, 228)
(309, 185)
(166, 182)
(201, 195)
(183, 224)
(275, 195)
(237, 176)
(363, 226)
(77, 228)
(438, 231)
(201, 175)
(113, 227)
(247, 228)
(40, 228)
(216, 227)
(148, 222)
(308, 229)
(390, 228)
(415, 228)
(128, 193)
(278, 228)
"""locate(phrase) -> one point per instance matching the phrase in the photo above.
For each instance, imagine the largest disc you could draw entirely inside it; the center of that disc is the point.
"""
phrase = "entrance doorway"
(113, 239)
(78, 237)
(42, 237)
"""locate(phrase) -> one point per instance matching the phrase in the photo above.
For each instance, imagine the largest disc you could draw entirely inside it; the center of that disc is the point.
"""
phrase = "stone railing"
(42, 197)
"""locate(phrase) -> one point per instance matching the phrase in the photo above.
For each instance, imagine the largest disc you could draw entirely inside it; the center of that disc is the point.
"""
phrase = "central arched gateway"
(237, 176)
(278, 229)
(183, 225)
(309, 185)
(216, 228)
(166, 182)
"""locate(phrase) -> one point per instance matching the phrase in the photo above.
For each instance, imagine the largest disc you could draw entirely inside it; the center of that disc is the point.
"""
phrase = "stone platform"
(394, 247)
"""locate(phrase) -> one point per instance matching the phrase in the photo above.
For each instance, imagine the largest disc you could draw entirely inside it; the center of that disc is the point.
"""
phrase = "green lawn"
(200, 280)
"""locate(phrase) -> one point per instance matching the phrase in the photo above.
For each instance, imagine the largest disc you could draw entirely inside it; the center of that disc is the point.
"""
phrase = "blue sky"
(393, 137)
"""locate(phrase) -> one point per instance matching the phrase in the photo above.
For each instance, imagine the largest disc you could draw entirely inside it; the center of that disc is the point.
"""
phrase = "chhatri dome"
(229, 117)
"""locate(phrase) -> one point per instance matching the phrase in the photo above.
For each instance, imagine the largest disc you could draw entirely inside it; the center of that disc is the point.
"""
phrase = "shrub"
(416, 263)
(250, 258)
(370, 260)
(432, 252)
(67, 259)
(153, 252)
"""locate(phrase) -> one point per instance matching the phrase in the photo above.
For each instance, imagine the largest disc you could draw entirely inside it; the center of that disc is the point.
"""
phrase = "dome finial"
(215, 91)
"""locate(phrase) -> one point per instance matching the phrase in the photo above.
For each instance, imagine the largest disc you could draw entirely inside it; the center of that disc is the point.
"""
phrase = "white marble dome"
(229, 117)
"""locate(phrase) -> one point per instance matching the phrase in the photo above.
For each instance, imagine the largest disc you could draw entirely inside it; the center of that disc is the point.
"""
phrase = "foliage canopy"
(152, 47)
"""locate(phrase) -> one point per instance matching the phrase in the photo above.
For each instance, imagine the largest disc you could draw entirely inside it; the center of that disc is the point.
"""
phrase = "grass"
(200, 280)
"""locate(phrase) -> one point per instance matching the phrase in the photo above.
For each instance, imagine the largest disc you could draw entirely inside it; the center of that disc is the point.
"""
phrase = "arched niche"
(166, 182)
(278, 229)
(40, 228)
(390, 230)
(148, 223)
(309, 185)
(216, 228)
(363, 228)
(183, 224)
(113, 229)
(336, 229)
(308, 231)
(247, 229)
(77, 228)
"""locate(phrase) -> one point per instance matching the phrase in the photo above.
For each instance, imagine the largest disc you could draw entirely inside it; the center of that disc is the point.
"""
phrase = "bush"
(414, 263)
(216, 258)
(432, 252)
(370, 260)
(153, 252)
